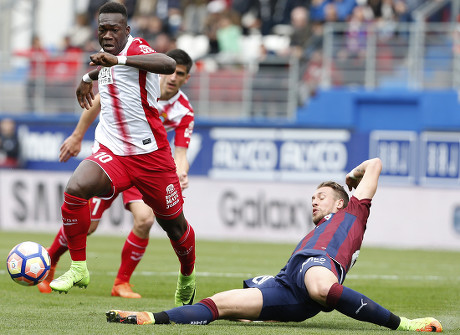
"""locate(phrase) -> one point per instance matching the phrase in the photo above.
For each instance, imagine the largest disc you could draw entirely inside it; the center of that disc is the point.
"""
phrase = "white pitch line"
(249, 275)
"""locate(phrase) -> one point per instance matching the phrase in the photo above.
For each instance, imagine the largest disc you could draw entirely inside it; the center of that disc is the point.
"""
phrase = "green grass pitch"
(411, 283)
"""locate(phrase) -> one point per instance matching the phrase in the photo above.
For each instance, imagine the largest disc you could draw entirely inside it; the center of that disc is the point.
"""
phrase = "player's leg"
(56, 250)
(135, 244)
(234, 304)
(162, 192)
(99, 174)
(323, 287)
(182, 238)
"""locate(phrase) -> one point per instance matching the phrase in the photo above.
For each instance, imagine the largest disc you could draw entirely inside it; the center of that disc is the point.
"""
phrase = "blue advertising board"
(439, 158)
(279, 154)
(285, 154)
(398, 152)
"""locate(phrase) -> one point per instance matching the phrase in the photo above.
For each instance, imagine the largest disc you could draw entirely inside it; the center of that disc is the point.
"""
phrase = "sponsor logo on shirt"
(105, 76)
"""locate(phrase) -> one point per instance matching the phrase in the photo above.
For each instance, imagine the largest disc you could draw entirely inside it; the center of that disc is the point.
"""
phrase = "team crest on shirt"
(105, 76)
(172, 197)
(163, 117)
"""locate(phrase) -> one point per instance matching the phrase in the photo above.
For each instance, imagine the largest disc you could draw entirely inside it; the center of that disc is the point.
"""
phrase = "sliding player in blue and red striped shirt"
(312, 279)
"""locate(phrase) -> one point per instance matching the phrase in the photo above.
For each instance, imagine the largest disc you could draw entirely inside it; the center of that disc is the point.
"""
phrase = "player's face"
(170, 84)
(112, 32)
(324, 201)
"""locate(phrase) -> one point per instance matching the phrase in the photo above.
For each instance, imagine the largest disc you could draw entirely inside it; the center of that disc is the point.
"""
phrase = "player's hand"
(70, 148)
(85, 95)
(103, 59)
(352, 182)
(183, 180)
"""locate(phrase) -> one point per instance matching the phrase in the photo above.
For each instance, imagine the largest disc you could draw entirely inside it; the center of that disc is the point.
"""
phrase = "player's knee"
(143, 224)
(319, 292)
(174, 228)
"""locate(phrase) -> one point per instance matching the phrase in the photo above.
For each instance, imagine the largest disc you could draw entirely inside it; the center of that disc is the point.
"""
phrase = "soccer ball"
(28, 263)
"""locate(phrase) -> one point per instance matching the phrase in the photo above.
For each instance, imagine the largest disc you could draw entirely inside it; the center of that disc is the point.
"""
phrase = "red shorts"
(99, 205)
(154, 175)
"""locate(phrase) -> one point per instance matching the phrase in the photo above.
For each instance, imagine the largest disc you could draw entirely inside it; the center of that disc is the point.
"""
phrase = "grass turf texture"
(411, 283)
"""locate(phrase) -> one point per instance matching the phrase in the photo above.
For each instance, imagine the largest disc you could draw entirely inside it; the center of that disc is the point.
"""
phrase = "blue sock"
(200, 313)
(360, 307)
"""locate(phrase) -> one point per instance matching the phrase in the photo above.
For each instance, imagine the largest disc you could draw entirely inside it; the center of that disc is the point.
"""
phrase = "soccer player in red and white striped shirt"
(132, 148)
(177, 115)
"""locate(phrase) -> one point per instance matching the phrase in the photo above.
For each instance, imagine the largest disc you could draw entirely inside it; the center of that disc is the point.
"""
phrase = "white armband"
(121, 60)
(86, 78)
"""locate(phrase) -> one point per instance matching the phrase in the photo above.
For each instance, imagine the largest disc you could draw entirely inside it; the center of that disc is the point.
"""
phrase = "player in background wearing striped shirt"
(131, 149)
(311, 281)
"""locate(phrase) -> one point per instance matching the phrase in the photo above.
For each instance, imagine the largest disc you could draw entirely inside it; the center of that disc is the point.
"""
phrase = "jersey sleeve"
(359, 208)
(139, 46)
(183, 131)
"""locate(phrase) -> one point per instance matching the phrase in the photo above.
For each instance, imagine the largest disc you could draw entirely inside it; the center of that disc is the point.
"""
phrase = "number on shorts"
(103, 157)
(97, 202)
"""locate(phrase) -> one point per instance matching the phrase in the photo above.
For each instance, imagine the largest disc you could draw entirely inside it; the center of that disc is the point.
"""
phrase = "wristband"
(86, 78)
(121, 60)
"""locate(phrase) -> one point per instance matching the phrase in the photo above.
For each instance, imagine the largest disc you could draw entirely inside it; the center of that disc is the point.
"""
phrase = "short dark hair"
(181, 58)
(338, 189)
(114, 7)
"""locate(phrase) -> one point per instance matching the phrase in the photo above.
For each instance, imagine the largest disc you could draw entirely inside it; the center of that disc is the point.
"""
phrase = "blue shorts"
(281, 303)
(285, 297)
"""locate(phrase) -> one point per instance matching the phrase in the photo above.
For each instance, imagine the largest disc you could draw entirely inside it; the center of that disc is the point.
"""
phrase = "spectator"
(169, 12)
(269, 13)
(80, 34)
(325, 10)
(228, 35)
(163, 43)
(356, 36)
(9, 144)
(149, 27)
(37, 56)
(215, 11)
(194, 16)
(301, 31)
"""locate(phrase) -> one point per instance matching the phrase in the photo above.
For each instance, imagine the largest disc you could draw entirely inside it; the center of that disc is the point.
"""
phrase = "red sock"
(76, 219)
(131, 255)
(185, 251)
(58, 247)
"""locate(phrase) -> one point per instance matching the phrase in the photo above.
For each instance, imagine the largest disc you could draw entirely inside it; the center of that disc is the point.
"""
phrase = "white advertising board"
(408, 217)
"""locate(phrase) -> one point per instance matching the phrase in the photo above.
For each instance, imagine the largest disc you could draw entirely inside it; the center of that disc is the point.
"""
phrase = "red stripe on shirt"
(118, 114)
(151, 113)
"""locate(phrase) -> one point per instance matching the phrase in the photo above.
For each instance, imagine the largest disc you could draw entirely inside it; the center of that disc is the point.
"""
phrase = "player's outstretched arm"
(182, 165)
(156, 62)
(364, 178)
(72, 144)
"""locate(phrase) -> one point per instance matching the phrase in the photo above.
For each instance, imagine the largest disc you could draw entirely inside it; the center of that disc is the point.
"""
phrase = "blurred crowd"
(234, 30)
(225, 22)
